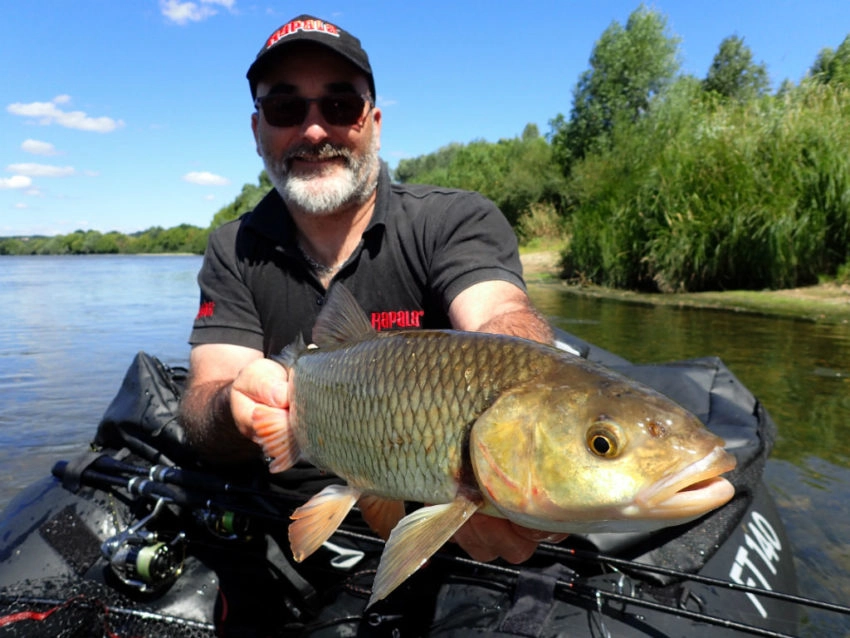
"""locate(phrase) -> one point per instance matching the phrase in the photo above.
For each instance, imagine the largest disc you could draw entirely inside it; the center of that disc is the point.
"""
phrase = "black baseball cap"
(306, 28)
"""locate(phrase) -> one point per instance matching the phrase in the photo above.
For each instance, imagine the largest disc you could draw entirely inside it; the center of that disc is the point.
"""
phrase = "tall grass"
(701, 195)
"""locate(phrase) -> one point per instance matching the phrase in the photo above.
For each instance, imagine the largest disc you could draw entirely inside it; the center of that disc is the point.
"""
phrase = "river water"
(70, 326)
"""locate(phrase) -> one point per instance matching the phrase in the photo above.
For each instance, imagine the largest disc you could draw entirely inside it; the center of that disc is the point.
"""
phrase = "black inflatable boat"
(135, 538)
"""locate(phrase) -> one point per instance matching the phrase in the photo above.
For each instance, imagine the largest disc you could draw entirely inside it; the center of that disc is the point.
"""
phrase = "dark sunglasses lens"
(284, 110)
(342, 110)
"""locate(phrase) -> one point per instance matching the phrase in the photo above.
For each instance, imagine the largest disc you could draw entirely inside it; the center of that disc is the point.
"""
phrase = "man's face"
(318, 167)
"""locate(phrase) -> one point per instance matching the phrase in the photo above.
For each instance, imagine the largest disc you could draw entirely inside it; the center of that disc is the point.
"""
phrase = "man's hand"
(261, 383)
(486, 538)
(222, 433)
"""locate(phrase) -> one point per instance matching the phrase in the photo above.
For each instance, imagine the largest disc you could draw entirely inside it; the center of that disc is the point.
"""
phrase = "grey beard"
(321, 195)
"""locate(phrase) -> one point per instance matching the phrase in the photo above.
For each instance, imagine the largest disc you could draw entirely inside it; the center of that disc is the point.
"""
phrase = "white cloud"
(49, 113)
(205, 178)
(37, 147)
(40, 170)
(21, 206)
(15, 181)
(185, 12)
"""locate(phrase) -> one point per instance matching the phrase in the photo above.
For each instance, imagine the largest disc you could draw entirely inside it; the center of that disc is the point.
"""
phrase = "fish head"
(605, 454)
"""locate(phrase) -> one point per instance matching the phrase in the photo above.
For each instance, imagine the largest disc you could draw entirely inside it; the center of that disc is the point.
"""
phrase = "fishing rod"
(580, 554)
(171, 484)
(604, 559)
(109, 469)
(596, 594)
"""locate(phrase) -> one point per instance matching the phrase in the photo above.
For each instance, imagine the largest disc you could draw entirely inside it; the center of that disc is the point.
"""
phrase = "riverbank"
(827, 303)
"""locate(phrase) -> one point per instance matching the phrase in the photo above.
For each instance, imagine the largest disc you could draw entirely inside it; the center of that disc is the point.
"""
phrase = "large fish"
(473, 422)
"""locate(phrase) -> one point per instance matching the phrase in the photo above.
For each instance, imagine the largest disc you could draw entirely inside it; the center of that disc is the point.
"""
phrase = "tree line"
(654, 180)
(662, 181)
(184, 238)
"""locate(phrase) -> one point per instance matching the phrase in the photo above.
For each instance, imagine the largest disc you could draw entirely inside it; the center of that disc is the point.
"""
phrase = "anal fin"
(415, 539)
(381, 514)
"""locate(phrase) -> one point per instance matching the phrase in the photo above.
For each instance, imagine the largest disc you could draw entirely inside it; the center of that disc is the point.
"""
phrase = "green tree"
(515, 173)
(734, 75)
(246, 200)
(833, 66)
(430, 168)
(628, 67)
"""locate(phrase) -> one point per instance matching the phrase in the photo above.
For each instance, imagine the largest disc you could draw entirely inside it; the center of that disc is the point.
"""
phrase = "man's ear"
(255, 121)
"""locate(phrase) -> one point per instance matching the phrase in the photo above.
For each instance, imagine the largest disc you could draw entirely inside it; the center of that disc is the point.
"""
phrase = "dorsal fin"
(342, 320)
(290, 353)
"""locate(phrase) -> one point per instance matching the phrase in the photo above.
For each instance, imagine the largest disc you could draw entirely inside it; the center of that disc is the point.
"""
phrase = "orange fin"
(315, 521)
(381, 514)
(274, 434)
(415, 539)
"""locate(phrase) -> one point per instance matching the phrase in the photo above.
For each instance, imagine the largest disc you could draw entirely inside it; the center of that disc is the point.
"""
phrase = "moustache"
(317, 152)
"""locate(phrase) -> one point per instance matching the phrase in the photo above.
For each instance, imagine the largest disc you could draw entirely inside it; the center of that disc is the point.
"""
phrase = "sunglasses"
(281, 109)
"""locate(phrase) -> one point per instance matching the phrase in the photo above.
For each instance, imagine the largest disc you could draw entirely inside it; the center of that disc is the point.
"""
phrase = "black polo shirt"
(422, 247)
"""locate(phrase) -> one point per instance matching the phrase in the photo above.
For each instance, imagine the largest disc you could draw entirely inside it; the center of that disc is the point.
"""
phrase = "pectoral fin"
(315, 521)
(415, 539)
(275, 436)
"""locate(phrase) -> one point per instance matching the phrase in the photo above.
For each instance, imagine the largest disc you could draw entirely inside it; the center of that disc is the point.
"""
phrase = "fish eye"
(603, 441)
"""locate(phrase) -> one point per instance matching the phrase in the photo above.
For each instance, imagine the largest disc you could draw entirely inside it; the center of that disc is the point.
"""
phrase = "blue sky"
(121, 115)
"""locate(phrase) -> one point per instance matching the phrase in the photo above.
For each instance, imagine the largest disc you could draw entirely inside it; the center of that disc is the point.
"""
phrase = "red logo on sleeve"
(206, 310)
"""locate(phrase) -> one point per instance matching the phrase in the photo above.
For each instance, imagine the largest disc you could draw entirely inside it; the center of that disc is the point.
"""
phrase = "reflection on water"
(69, 327)
(800, 371)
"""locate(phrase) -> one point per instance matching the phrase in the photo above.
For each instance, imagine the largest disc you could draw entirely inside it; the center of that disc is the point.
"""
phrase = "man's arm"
(225, 383)
(498, 307)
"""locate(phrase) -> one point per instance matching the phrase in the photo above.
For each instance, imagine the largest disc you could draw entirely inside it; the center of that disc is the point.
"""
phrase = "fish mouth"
(692, 491)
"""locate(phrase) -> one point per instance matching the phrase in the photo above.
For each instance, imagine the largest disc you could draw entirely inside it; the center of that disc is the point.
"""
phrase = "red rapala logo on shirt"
(206, 310)
(397, 319)
(302, 25)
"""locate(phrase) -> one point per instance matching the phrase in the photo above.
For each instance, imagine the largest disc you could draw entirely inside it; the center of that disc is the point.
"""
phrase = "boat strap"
(534, 598)
(306, 593)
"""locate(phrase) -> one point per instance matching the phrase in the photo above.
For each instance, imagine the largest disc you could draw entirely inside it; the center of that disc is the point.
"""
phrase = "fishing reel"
(225, 524)
(141, 560)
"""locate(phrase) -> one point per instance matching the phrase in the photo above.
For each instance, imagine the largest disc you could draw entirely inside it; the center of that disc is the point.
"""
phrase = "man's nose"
(314, 128)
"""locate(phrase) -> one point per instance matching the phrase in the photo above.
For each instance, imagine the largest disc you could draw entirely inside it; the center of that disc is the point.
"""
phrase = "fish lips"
(690, 492)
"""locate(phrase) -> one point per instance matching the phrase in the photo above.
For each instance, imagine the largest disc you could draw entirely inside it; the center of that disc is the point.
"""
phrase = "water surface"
(70, 326)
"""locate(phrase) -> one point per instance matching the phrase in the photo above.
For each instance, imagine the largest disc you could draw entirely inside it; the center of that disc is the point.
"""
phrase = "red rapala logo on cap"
(295, 26)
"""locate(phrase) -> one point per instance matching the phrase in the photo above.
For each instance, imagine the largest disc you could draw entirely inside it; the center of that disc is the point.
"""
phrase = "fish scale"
(401, 409)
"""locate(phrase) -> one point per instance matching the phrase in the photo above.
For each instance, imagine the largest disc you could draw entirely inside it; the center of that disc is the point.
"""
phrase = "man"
(413, 256)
